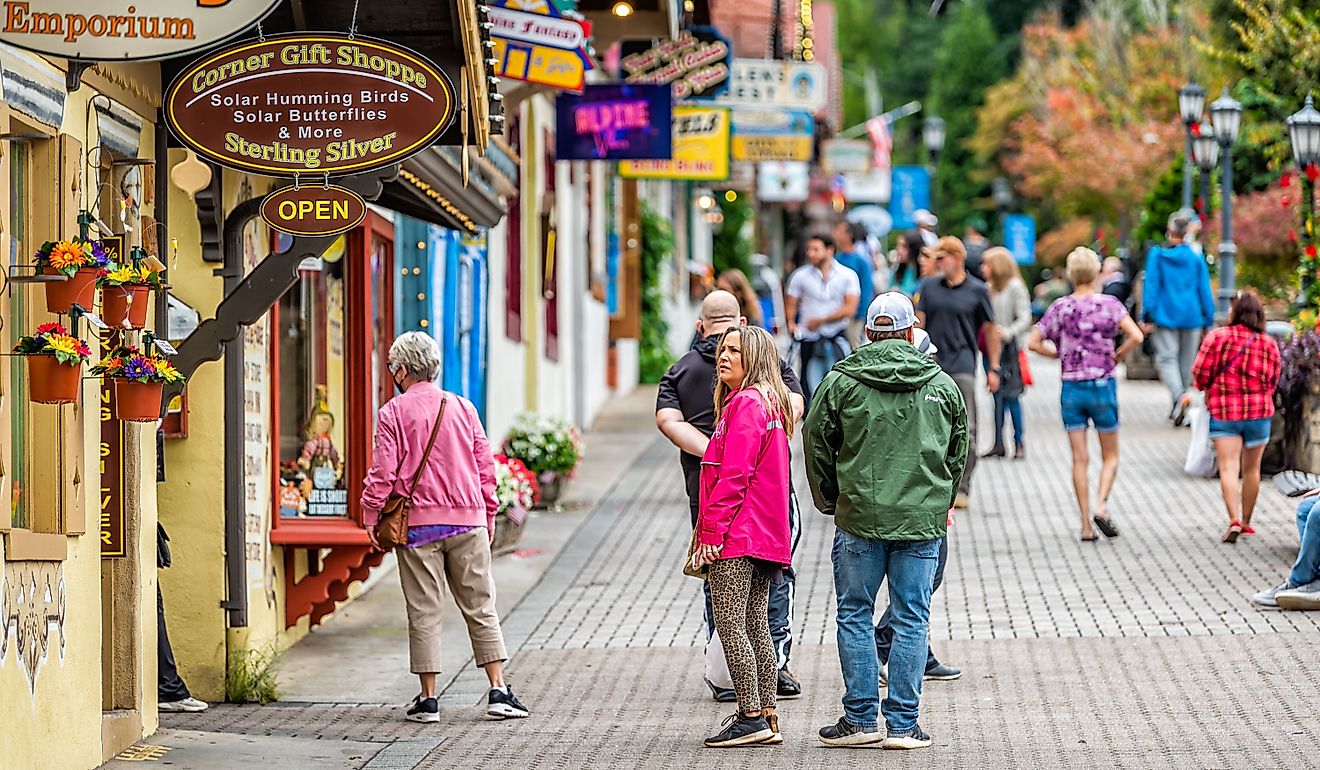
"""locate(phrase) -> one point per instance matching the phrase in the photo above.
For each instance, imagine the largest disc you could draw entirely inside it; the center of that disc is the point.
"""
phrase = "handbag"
(392, 527)
(688, 569)
(1202, 460)
(1025, 365)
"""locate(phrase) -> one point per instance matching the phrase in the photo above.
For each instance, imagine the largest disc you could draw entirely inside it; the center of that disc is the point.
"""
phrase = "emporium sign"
(310, 104)
(313, 210)
(119, 30)
(696, 63)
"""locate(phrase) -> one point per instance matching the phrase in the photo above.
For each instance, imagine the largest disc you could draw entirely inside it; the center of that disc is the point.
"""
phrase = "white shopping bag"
(1201, 459)
(717, 669)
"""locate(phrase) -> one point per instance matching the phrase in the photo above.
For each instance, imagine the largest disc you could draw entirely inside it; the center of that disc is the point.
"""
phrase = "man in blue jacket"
(1177, 307)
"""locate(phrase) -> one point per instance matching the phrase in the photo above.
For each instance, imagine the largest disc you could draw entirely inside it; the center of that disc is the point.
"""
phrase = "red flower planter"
(138, 401)
(128, 303)
(79, 289)
(51, 382)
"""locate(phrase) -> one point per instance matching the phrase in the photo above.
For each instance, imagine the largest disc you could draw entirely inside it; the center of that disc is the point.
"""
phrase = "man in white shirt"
(821, 296)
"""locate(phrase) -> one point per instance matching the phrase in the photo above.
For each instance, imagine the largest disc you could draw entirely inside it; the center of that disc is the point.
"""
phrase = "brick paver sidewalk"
(1139, 652)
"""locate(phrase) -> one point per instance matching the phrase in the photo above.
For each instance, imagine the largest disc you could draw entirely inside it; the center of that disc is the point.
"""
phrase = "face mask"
(398, 386)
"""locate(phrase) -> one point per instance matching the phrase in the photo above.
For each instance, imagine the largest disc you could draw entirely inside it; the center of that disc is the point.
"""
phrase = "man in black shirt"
(685, 414)
(954, 309)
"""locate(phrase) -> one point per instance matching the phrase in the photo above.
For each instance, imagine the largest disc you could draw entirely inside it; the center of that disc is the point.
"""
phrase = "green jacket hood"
(893, 366)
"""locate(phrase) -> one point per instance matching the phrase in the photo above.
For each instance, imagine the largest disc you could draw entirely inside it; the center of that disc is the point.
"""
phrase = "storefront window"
(15, 324)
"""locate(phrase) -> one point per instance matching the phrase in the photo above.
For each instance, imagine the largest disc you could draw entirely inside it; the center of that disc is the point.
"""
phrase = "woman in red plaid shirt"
(1238, 369)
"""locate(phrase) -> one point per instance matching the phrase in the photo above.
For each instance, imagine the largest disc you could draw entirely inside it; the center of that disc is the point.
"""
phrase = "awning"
(430, 188)
(32, 86)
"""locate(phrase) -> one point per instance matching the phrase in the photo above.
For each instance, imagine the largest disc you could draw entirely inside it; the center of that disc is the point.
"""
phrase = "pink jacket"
(458, 485)
(744, 483)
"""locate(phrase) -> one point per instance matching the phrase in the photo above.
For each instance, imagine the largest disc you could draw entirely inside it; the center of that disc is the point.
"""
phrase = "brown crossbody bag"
(392, 528)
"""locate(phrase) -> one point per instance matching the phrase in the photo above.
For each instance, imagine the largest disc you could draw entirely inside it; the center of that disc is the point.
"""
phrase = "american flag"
(881, 141)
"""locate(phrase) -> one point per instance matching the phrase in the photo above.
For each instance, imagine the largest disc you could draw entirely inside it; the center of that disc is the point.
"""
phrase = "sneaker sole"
(793, 696)
(856, 739)
(760, 736)
(1265, 607)
(773, 740)
(944, 678)
(1297, 603)
(429, 719)
(505, 711)
(904, 744)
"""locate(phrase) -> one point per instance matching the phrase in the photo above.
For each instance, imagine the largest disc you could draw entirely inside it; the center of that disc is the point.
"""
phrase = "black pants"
(169, 687)
(884, 630)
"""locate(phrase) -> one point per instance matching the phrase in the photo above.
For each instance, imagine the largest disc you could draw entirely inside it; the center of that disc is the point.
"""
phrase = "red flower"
(1195, 128)
(1310, 250)
(50, 328)
(1286, 201)
(1285, 180)
(1312, 172)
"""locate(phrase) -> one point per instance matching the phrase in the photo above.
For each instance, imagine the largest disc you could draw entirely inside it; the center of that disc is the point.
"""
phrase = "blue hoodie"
(1177, 291)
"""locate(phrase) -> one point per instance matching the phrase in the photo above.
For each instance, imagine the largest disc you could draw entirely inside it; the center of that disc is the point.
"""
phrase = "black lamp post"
(1205, 153)
(1304, 132)
(932, 135)
(1191, 102)
(1226, 112)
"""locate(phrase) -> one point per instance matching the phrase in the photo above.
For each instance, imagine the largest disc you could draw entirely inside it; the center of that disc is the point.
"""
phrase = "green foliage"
(1162, 200)
(250, 676)
(657, 246)
(731, 248)
(544, 444)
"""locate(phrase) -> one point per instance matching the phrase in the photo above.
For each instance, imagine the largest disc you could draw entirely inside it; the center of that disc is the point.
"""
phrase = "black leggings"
(740, 596)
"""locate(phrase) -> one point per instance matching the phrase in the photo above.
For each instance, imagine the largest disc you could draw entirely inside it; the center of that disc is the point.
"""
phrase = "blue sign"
(1020, 237)
(911, 191)
(615, 122)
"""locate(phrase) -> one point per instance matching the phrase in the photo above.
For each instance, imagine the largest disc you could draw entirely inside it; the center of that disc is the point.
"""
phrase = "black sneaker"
(504, 704)
(789, 686)
(845, 733)
(942, 673)
(721, 694)
(741, 730)
(916, 738)
(424, 710)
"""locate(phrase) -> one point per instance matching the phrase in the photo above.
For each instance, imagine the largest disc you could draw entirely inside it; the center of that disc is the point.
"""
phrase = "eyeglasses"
(392, 367)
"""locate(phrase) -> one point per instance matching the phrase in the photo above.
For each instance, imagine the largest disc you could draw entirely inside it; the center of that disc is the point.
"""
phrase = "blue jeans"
(1083, 402)
(1307, 568)
(1012, 407)
(884, 628)
(860, 567)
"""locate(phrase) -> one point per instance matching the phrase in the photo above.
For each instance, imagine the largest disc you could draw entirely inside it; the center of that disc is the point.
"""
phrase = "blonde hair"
(1083, 266)
(760, 358)
(1003, 268)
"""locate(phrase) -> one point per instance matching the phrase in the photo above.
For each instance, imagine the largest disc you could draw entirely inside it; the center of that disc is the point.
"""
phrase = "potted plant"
(1298, 396)
(79, 260)
(55, 360)
(139, 378)
(124, 290)
(517, 491)
(550, 448)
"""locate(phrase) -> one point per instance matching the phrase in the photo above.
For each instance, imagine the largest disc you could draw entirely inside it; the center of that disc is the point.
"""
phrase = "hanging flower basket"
(139, 380)
(55, 362)
(81, 262)
(137, 401)
(125, 307)
(549, 447)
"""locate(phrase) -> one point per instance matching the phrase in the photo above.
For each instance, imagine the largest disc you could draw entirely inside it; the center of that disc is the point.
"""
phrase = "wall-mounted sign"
(1020, 237)
(701, 148)
(696, 63)
(615, 122)
(911, 191)
(310, 104)
(845, 156)
(541, 48)
(773, 135)
(119, 30)
(795, 85)
(313, 210)
(783, 182)
(111, 450)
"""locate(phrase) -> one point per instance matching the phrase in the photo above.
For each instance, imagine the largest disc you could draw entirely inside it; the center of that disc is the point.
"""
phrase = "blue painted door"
(464, 294)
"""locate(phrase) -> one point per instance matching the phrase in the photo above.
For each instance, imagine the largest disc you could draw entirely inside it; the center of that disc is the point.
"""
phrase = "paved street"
(1141, 652)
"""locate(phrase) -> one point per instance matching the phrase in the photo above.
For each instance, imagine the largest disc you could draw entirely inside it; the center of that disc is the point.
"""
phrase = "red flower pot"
(79, 289)
(138, 401)
(125, 307)
(51, 382)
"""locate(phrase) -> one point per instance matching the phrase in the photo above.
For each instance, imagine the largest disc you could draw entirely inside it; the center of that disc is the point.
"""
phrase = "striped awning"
(120, 128)
(32, 86)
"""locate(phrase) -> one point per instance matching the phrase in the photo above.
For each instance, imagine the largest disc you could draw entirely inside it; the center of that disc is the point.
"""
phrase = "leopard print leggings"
(740, 596)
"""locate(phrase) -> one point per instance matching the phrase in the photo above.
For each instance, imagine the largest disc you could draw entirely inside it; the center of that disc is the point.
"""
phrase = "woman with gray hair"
(430, 446)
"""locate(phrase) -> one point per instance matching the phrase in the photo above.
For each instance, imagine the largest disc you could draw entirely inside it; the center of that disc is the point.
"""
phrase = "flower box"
(80, 261)
(139, 381)
(550, 447)
(125, 307)
(55, 360)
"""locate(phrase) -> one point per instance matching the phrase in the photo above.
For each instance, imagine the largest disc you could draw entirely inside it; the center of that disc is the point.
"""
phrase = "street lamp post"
(1205, 153)
(932, 135)
(1191, 102)
(1226, 112)
(1304, 132)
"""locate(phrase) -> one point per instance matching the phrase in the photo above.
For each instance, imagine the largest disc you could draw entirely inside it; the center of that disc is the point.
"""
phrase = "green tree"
(657, 246)
(731, 249)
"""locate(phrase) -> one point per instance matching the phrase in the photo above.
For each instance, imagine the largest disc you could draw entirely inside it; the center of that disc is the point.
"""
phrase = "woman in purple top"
(1079, 330)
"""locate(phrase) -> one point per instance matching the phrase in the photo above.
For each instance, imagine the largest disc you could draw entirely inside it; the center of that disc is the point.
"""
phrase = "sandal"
(1231, 535)
(1090, 539)
(1106, 526)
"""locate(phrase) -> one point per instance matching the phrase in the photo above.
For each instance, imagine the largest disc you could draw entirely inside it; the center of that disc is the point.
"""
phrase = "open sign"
(313, 210)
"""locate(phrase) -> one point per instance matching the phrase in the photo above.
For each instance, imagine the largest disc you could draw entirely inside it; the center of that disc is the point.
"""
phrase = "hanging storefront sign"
(845, 156)
(911, 191)
(701, 148)
(772, 135)
(310, 104)
(696, 63)
(314, 210)
(874, 186)
(119, 30)
(783, 182)
(1020, 237)
(797, 85)
(111, 449)
(541, 48)
(615, 122)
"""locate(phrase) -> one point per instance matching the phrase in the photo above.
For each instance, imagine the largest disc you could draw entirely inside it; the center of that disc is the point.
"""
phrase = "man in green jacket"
(886, 443)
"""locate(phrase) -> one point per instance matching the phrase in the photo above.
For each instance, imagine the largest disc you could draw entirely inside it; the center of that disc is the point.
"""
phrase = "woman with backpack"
(1238, 368)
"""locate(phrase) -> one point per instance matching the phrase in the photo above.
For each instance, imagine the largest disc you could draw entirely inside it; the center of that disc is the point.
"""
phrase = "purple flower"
(137, 368)
(98, 253)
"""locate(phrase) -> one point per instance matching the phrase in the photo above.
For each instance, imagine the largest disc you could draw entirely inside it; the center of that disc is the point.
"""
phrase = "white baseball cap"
(896, 310)
(924, 218)
(922, 341)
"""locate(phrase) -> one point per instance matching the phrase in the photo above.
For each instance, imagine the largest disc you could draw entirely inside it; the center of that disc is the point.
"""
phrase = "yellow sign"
(701, 148)
(767, 148)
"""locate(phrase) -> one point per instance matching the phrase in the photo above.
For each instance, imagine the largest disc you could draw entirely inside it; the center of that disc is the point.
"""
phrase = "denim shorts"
(1254, 433)
(1085, 402)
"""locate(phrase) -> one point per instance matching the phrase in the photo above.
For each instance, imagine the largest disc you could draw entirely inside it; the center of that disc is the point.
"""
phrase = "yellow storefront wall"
(59, 669)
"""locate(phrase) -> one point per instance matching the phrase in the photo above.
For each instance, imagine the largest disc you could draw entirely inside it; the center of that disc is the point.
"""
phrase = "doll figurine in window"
(319, 456)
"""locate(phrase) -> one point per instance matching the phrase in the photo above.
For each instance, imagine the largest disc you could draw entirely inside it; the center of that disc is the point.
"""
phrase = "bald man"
(685, 414)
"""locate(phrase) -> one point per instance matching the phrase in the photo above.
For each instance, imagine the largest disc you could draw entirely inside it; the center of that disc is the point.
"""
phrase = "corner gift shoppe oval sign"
(125, 30)
(310, 104)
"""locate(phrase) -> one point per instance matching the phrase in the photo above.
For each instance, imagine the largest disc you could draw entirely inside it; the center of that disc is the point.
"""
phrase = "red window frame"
(513, 253)
(549, 254)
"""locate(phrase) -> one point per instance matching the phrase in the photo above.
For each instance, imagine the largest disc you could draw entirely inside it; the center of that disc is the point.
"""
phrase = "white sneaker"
(1266, 598)
(1305, 597)
(189, 704)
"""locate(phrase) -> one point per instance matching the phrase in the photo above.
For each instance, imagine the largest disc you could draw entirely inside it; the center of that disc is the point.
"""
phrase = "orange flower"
(67, 254)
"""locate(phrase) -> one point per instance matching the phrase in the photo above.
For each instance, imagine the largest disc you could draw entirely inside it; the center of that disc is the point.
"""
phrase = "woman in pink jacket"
(742, 528)
(450, 524)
